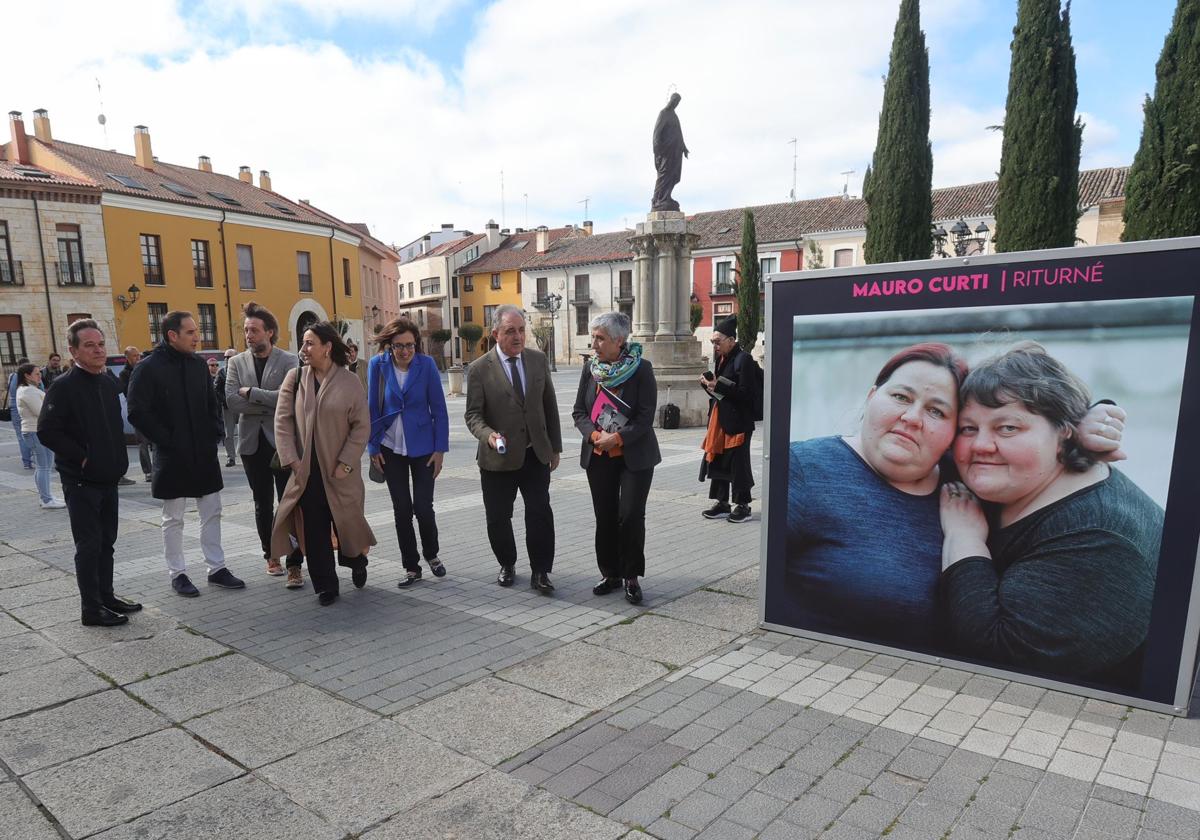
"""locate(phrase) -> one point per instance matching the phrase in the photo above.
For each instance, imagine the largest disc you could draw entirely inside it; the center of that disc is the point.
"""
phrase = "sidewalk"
(457, 709)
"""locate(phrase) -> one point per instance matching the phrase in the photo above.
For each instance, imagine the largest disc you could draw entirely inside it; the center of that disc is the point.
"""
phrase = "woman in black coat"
(614, 412)
(732, 394)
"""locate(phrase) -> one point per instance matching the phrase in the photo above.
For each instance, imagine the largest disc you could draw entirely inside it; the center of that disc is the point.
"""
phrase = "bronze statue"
(669, 152)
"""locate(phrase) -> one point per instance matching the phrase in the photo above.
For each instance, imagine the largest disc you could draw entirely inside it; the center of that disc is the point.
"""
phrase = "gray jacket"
(257, 410)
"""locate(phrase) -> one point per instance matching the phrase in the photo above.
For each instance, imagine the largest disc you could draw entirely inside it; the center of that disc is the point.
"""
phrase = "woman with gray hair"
(614, 413)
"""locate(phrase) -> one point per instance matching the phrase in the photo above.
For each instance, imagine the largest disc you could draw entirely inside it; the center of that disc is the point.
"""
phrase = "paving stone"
(584, 674)
(871, 814)
(661, 639)
(279, 723)
(45, 614)
(733, 782)
(35, 593)
(74, 638)
(22, 819)
(21, 570)
(714, 609)
(491, 719)
(208, 686)
(9, 626)
(243, 808)
(723, 829)
(44, 685)
(755, 810)
(670, 830)
(744, 583)
(699, 809)
(125, 781)
(1171, 819)
(648, 805)
(381, 770)
(25, 650)
(128, 661)
(61, 733)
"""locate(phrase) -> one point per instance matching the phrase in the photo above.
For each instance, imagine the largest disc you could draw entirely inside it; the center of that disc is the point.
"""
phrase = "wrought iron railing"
(75, 274)
(12, 273)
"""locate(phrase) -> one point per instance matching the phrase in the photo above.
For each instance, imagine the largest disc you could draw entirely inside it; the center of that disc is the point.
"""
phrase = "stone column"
(665, 319)
(643, 289)
(683, 291)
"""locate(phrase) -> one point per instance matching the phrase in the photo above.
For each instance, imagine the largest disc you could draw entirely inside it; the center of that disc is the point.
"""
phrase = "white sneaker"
(53, 504)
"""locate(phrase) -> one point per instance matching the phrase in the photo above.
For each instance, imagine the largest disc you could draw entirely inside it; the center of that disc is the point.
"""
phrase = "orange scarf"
(716, 441)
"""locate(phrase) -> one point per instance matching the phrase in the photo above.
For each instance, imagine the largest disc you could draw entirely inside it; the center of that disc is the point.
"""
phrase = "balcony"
(724, 289)
(12, 273)
(75, 274)
(581, 297)
(625, 295)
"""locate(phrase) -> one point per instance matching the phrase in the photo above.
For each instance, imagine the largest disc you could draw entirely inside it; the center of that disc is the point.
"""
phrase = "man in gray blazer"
(252, 382)
(512, 410)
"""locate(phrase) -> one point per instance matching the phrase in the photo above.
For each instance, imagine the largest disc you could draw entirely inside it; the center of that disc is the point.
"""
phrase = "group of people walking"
(303, 423)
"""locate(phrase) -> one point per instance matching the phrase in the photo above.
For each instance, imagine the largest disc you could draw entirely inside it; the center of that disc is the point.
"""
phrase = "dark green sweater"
(1068, 590)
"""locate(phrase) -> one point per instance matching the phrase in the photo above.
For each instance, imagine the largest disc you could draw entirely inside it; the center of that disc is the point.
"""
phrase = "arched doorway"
(303, 322)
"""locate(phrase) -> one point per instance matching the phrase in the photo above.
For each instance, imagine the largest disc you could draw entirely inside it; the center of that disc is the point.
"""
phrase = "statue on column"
(669, 152)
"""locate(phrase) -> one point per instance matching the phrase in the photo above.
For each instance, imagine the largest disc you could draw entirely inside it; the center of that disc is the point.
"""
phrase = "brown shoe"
(275, 568)
(295, 577)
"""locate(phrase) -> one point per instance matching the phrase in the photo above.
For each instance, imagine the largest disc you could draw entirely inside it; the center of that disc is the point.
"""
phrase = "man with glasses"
(252, 382)
(733, 390)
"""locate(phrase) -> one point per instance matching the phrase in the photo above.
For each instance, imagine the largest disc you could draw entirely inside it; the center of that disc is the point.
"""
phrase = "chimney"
(587, 228)
(448, 226)
(20, 142)
(264, 180)
(205, 164)
(519, 230)
(426, 241)
(142, 155)
(244, 175)
(543, 239)
(492, 232)
(41, 125)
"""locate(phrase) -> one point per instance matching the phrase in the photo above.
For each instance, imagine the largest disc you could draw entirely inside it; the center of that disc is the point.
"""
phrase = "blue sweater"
(422, 405)
(863, 558)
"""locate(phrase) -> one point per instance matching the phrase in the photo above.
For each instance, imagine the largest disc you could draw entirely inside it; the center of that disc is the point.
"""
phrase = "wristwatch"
(346, 468)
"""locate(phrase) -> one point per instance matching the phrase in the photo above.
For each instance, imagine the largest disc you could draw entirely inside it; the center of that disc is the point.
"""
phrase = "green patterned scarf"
(613, 374)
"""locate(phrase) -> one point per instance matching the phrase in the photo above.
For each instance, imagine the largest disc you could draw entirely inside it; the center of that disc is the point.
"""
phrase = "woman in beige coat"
(321, 429)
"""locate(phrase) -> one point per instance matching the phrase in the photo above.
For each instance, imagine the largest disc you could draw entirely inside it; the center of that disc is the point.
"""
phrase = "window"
(126, 181)
(227, 199)
(468, 314)
(178, 190)
(495, 281)
(346, 288)
(488, 313)
(245, 261)
(472, 253)
(12, 339)
(469, 283)
(625, 285)
(581, 320)
(627, 308)
(10, 272)
(431, 286)
(454, 286)
(420, 317)
(282, 208)
(71, 270)
(152, 273)
(156, 312)
(400, 291)
(201, 266)
(457, 348)
(410, 288)
(724, 277)
(456, 317)
(304, 270)
(518, 283)
(843, 257)
(206, 319)
(582, 293)
(721, 310)
(767, 265)
(543, 288)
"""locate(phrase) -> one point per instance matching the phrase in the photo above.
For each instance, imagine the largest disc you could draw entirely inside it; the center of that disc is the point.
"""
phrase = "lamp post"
(553, 302)
(960, 239)
(127, 302)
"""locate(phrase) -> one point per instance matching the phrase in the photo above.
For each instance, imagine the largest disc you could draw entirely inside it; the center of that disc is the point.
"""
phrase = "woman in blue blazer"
(410, 434)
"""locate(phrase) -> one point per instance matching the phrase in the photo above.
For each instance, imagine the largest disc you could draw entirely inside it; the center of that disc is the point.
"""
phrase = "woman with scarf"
(614, 412)
(726, 445)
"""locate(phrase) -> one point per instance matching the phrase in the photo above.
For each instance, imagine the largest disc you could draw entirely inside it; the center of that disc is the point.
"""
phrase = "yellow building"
(179, 237)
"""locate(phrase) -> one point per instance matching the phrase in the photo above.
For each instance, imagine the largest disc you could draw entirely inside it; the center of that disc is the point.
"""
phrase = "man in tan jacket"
(512, 410)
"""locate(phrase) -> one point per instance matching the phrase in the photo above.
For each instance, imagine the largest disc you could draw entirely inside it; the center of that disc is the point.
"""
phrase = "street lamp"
(127, 302)
(960, 239)
(552, 302)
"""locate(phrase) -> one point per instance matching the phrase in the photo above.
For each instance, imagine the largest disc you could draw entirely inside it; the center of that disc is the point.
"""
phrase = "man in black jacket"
(732, 393)
(172, 402)
(81, 423)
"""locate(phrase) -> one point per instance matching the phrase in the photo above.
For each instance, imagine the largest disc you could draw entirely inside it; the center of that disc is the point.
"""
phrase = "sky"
(407, 114)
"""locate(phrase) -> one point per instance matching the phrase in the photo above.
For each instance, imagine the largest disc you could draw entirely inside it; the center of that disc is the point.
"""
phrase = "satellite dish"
(101, 119)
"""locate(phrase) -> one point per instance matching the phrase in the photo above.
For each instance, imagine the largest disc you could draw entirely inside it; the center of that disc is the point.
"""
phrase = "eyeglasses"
(407, 345)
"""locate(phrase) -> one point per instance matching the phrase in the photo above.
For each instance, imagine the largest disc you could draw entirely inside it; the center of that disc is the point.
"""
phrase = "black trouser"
(93, 512)
(619, 501)
(742, 476)
(266, 486)
(144, 458)
(405, 504)
(318, 532)
(499, 493)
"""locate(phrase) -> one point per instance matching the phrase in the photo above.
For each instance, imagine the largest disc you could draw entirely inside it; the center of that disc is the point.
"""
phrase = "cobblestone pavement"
(457, 709)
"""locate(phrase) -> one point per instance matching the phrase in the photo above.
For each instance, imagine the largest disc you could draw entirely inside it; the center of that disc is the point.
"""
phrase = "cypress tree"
(749, 285)
(1162, 195)
(900, 180)
(1038, 201)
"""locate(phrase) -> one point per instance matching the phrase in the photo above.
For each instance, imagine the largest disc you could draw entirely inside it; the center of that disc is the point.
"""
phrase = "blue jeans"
(45, 463)
(26, 452)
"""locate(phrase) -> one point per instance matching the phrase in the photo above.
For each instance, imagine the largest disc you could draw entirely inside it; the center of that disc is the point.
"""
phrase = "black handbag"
(373, 472)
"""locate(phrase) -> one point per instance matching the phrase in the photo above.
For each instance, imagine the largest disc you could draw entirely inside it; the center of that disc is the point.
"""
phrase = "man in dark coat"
(732, 395)
(81, 423)
(172, 402)
(669, 152)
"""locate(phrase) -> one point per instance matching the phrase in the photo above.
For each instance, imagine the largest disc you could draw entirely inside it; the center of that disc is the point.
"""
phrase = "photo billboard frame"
(1147, 272)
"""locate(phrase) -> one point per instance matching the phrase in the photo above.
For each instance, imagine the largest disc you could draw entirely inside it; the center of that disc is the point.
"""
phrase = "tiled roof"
(507, 257)
(12, 171)
(789, 221)
(453, 246)
(580, 249)
(98, 164)
(358, 228)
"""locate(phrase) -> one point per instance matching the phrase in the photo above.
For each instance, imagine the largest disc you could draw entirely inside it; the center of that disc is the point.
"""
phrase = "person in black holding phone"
(614, 412)
(732, 394)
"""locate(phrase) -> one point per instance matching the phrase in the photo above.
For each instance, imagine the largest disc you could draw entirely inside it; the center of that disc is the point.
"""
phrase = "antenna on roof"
(103, 120)
(502, 198)
(795, 146)
(526, 197)
(846, 185)
(585, 206)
